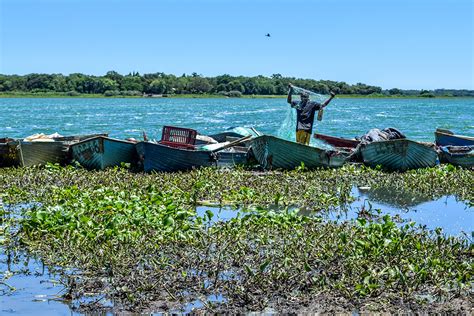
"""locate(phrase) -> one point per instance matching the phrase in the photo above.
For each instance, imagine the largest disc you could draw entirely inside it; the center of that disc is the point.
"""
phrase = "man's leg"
(303, 137)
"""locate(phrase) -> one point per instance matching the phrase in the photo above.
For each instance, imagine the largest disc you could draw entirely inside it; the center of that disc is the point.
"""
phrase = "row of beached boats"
(184, 149)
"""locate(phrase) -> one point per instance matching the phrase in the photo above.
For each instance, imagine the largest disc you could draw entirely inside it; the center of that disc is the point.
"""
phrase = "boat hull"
(398, 155)
(458, 156)
(158, 157)
(448, 139)
(101, 152)
(337, 141)
(276, 153)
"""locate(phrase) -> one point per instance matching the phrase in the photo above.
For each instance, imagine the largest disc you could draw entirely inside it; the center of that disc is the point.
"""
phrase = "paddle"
(232, 144)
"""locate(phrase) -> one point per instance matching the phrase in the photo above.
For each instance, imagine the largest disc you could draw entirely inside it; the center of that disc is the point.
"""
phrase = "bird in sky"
(267, 35)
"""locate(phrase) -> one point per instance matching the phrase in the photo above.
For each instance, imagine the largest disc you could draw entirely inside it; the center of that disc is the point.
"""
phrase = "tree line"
(134, 84)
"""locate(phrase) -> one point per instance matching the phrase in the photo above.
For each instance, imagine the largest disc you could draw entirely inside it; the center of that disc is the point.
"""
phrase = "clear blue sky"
(389, 43)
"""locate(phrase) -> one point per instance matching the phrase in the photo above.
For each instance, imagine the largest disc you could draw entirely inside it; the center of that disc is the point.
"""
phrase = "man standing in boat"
(305, 110)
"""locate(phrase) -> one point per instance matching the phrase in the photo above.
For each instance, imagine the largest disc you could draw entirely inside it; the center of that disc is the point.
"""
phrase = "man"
(305, 110)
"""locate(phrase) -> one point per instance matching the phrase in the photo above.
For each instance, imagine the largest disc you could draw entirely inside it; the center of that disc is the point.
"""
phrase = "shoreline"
(206, 96)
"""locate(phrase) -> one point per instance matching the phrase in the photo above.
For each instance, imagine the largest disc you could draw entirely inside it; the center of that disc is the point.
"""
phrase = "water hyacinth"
(138, 240)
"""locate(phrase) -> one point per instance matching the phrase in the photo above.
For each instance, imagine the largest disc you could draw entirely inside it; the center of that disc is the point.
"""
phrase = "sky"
(407, 44)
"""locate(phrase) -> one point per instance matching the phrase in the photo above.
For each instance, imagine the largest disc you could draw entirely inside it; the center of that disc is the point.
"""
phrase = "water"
(36, 291)
(453, 216)
(417, 118)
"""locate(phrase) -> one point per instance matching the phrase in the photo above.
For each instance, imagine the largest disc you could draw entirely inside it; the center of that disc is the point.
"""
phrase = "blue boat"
(160, 157)
(398, 154)
(444, 137)
(457, 155)
(276, 153)
(101, 152)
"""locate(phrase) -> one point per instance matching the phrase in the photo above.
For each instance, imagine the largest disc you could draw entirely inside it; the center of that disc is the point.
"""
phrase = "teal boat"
(101, 152)
(457, 155)
(398, 154)
(276, 153)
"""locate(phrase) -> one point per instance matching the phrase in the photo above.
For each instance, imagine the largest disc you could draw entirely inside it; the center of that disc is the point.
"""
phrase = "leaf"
(264, 265)
(168, 221)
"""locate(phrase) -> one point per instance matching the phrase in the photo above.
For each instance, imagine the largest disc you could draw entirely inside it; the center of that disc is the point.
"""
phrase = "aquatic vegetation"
(136, 239)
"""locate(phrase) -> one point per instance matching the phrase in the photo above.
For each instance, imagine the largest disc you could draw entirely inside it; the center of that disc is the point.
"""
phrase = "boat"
(337, 141)
(457, 155)
(398, 154)
(100, 152)
(161, 157)
(8, 152)
(229, 134)
(277, 153)
(444, 137)
(26, 153)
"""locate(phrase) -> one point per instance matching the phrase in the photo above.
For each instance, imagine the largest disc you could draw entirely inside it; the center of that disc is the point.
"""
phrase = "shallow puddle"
(34, 290)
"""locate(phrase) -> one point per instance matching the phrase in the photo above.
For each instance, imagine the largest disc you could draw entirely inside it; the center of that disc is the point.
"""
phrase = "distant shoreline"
(207, 96)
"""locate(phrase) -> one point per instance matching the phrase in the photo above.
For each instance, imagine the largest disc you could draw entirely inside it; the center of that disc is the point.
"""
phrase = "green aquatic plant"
(137, 239)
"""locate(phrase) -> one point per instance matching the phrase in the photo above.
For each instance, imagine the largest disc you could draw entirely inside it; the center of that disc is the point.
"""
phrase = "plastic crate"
(178, 137)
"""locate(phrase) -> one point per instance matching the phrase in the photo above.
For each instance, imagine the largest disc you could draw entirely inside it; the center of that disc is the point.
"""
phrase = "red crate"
(178, 137)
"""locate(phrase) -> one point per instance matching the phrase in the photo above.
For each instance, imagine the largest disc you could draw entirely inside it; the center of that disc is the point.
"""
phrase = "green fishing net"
(287, 129)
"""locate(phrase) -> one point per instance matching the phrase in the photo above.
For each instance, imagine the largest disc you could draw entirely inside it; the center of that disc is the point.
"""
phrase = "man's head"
(304, 96)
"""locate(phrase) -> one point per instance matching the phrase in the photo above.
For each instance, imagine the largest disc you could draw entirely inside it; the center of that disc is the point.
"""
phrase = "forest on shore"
(134, 84)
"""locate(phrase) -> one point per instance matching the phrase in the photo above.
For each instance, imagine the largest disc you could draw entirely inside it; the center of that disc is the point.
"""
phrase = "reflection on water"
(35, 291)
(453, 216)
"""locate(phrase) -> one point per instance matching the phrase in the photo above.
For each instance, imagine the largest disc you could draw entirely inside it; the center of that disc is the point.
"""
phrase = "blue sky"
(391, 43)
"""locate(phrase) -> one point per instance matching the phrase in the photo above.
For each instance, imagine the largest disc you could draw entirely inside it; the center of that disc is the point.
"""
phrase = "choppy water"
(417, 118)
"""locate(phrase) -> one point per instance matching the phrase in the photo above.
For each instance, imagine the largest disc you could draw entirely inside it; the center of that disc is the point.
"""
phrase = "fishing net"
(287, 129)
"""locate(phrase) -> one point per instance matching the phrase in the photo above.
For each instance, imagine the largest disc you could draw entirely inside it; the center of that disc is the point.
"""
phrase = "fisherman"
(305, 110)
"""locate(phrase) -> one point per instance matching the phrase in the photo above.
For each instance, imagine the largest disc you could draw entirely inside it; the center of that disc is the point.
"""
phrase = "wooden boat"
(101, 152)
(8, 152)
(35, 153)
(444, 137)
(230, 134)
(337, 141)
(277, 153)
(457, 155)
(398, 154)
(160, 157)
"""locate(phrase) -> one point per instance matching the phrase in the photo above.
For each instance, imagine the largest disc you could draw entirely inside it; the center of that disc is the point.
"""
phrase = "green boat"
(398, 154)
(21, 153)
(276, 153)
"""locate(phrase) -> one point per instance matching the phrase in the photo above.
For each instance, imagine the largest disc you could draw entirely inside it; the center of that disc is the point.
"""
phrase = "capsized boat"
(457, 155)
(277, 153)
(398, 154)
(444, 137)
(101, 152)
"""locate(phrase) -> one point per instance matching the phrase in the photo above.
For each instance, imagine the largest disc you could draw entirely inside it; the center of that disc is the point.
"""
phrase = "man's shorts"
(303, 137)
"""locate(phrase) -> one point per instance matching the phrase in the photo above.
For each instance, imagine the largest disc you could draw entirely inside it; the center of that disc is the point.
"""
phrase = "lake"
(417, 118)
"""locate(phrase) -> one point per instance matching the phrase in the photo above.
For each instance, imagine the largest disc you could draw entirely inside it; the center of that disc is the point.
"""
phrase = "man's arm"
(290, 90)
(328, 100)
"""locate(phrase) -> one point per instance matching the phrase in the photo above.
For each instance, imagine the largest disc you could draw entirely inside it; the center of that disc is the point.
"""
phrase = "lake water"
(417, 118)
